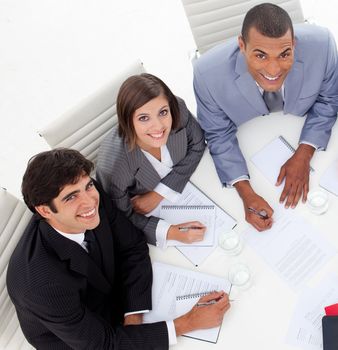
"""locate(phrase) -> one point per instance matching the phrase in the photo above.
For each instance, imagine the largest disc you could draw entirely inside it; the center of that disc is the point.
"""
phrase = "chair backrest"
(213, 21)
(84, 126)
(14, 217)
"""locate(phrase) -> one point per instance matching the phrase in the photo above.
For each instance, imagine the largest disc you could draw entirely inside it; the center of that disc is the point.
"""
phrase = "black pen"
(261, 213)
(186, 228)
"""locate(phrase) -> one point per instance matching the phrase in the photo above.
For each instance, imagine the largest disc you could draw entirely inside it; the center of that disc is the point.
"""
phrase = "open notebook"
(176, 290)
(177, 214)
(272, 157)
(329, 179)
(192, 195)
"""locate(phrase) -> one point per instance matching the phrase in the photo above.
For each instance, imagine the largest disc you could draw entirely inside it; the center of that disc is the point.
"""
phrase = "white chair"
(213, 21)
(84, 126)
(14, 217)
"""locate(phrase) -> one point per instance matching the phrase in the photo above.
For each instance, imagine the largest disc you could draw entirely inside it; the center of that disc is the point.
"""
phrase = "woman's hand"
(145, 203)
(187, 232)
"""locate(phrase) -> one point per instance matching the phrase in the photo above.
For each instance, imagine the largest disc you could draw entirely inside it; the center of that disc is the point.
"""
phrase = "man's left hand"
(145, 203)
(296, 173)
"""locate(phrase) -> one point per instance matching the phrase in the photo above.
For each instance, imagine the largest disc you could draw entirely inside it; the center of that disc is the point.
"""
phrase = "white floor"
(55, 52)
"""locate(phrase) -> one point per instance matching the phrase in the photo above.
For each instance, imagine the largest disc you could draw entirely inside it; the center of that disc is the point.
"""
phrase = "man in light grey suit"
(297, 67)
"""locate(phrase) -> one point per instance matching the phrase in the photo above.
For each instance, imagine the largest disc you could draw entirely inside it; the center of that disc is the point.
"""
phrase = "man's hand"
(133, 319)
(201, 317)
(252, 200)
(145, 203)
(187, 232)
(296, 173)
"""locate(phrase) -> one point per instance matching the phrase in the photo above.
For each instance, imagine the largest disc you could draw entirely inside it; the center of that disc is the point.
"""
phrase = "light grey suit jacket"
(227, 95)
(124, 173)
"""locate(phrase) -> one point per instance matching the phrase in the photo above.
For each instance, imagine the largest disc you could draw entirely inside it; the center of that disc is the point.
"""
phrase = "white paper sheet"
(329, 180)
(191, 195)
(305, 329)
(170, 282)
(293, 248)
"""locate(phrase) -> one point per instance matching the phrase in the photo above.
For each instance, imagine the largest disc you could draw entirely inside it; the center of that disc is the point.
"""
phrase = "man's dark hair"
(49, 172)
(136, 91)
(268, 19)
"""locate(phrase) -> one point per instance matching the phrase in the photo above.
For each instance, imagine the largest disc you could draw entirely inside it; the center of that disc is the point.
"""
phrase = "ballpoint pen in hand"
(187, 228)
(261, 213)
(211, 302)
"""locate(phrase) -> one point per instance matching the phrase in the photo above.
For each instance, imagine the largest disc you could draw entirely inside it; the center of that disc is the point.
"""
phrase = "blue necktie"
(273, 100)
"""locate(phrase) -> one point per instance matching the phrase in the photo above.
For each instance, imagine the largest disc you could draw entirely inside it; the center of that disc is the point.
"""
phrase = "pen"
(261, 213)
(186, 228)
(211, 302)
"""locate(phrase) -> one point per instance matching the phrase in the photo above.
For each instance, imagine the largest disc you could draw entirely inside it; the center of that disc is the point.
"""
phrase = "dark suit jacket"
(64, 301)
(123, 173)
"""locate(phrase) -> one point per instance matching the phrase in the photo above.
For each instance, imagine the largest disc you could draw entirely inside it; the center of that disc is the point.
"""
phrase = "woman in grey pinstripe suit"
(151, 155)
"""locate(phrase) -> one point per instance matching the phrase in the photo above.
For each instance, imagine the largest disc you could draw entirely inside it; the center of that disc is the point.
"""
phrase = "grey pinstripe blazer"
(124, 173)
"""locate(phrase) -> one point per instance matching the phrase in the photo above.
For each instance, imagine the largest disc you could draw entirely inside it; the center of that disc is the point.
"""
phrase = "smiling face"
(269, 60)
(152, 123)
(76, 207)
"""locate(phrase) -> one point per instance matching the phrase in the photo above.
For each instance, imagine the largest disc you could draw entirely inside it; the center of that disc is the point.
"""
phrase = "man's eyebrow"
(260, 51)
(69, 195)
(285, 51)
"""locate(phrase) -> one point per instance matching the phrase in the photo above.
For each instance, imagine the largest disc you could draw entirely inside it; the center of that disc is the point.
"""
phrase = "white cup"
(231, 242)
(240, 276)
(317, 201)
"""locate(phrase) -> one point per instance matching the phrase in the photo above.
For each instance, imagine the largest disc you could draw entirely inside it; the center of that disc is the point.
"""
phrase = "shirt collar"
(76, 237)
(261, 90)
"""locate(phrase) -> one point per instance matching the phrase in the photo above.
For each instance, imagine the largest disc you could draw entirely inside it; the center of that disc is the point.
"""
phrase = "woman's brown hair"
(136, 91)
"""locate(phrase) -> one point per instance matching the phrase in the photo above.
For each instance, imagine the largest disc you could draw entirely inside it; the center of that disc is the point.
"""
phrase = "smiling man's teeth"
(89, 213)
(271, 78)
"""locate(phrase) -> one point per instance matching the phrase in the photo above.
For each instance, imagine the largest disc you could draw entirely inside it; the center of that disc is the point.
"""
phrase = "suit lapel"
(177, 145)
(79, 260)
(141, 167)
(103, 235)
(293, 85)
(248, 87)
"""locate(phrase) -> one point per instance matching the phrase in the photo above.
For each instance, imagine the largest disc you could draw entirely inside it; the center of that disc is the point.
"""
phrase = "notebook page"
(170, 282)
(271, 158)
(192, 195)
(183, 305)
(177, 214)
(329, 179)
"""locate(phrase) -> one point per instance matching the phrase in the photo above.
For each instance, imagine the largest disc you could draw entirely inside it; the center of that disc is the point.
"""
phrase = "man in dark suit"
(80, 277)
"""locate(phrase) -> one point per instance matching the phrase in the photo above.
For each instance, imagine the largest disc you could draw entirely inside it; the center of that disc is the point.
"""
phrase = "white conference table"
(259, 318)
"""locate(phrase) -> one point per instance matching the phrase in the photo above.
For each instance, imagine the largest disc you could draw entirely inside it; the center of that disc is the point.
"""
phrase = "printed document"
(292, 247)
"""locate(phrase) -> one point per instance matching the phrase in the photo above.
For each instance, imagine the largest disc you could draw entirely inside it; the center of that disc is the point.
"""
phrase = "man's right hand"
(252, 200)
(201, 317)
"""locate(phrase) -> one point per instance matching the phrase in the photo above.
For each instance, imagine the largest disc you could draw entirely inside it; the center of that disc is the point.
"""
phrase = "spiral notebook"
(177, 214)
(176, 290)
(184, 303)
(271, 158)
(329, 179)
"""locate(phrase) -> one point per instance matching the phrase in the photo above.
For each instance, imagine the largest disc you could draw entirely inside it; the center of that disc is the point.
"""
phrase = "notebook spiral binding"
(186, 207)
(192, 296)
(286, 143)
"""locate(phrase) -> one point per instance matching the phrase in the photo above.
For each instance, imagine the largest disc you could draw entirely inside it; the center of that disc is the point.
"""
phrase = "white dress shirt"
(163, 168)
